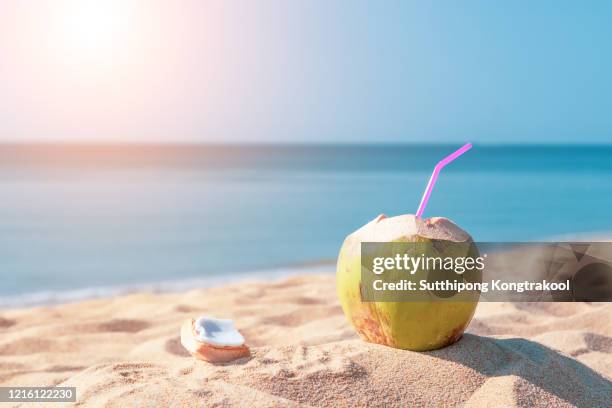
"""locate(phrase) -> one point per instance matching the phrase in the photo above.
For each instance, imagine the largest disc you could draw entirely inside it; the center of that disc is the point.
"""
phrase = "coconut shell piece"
(203, 350)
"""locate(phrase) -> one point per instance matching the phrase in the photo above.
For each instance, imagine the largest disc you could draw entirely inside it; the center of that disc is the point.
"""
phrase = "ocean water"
(77, 219)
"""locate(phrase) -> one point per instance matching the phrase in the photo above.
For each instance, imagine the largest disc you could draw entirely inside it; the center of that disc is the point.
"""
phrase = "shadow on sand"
(553, 372)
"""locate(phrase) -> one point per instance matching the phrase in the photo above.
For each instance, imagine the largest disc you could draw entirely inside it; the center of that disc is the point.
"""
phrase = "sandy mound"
(126, 352)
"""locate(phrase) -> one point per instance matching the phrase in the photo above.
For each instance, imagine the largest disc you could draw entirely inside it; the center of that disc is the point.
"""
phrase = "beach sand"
(126, 352)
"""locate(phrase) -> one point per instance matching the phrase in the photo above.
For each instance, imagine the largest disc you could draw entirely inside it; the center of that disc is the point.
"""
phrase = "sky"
(305, 71)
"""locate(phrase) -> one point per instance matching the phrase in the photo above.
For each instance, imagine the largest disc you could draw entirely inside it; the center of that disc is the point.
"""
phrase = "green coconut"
(413, 325)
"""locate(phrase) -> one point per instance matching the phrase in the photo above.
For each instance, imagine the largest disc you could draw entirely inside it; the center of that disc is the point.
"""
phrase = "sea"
(80, 221)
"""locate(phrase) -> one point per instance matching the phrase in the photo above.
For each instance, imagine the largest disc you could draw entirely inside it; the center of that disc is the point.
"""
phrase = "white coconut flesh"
(387, 229)
(218, 332)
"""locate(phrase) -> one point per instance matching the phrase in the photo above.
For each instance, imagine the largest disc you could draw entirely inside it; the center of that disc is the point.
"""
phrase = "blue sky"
(320, 71)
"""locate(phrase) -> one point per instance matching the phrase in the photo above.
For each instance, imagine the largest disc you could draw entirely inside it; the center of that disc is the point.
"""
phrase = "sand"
(126, 352)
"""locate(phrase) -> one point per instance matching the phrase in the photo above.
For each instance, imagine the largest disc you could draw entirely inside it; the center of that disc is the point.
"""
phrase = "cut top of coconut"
(218, 332)
(387, 229)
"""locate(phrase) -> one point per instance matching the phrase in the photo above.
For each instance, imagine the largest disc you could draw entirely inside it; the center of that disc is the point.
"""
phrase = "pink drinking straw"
(436, 172)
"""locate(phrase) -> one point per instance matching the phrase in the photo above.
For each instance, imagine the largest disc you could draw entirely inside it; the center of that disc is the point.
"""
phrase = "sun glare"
(92, 31)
